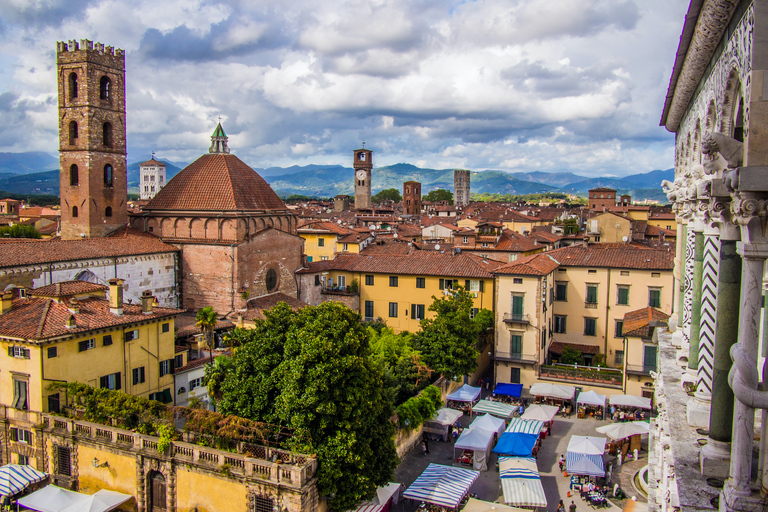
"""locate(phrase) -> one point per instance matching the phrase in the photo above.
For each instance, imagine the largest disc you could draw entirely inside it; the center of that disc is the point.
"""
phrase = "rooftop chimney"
(147, 301)
(71, 323)
(6, 302)
(74, 306)
(116, 296)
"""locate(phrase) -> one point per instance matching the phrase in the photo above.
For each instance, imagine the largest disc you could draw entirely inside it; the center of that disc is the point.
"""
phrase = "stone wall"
(407, 440)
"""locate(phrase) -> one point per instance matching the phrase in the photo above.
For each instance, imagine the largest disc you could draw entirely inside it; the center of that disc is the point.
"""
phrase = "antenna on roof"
(363, 144)
(153, 155)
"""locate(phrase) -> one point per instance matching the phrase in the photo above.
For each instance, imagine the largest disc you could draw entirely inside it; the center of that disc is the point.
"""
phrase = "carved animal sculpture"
(731, 149)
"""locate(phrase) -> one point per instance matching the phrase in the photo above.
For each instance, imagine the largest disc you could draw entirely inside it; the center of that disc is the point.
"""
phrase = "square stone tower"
(412, 198)
(363, 165)
(151, 178)
(92, 155)
(460, 187)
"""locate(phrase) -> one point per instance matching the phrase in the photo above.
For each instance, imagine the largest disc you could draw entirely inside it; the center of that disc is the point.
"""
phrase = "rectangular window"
(654, 297)
(19, 352)
(393, 281)
(321, 242)
(448, 284)
(166, 327)
(343, 281)
(21, 436)
(560, 324)
(514, 375)
(591, 271)
(166, 367)
(417, 311)
(86, 345)
(20, 396)
(369, 309)
(317, 278)
(473, 312)
(393, 309)
(131, 335)
(516, 345)
(619, 332)
(465, 240)
(517, 305)
(561, 291)
(591, 294)
(54, 404)
(517, 280)
(421, 282)
(618, 358)
(368, 280)
(63, 461)
(655, 274)
(178, 361)
(562, 270)
(23, 460)
(625, 272)
(111, 381)
(590, 327)
(622, 295)
(138, 375)
(345, 247)
(323, 258)
(472, 285)
(649, 358)
(106, 340)
(196, 383)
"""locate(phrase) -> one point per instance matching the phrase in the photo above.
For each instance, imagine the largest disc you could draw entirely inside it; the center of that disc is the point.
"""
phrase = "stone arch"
(731, 97)
(197, 228)
(167, 228)
(153, 226)
(182, 227)
(87, 276)
(72, 82)
(212, 229)
(229, 229)
(260, 224)
(279, 223)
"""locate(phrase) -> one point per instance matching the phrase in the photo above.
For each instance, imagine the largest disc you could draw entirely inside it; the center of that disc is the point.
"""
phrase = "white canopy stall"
(441, 421)
(540, 412)
(638, 402)
(593, 399)
(465, 393)
(584, 456)
(553, 390)
(490, 423)
(480, 442)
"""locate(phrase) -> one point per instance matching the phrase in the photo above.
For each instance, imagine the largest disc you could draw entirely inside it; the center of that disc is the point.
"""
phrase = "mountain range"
(35, 172)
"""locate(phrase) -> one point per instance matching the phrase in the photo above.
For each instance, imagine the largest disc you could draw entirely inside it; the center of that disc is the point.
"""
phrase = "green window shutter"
(517, 305)
(442, 284)
(591, 293)
(516, 344)
(624, 296)
(466, 284)
(482, 285)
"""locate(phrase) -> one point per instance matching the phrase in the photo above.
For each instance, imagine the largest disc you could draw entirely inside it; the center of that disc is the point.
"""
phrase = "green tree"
(448, 342)
(404, 372)
(439, 195)
(206, 320)
(19, 231)
(312, 370)
(570, 356)
(391, 194)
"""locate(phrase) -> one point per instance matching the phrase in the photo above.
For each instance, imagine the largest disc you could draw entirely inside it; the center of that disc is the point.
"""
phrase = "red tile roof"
(423, 263)
(534, 265)
(67, 289)
(258, 305)
(614, 256)
(39, 318)
(126, 242)
(323, 227)
(637, 324)
(216, 181)
(152, 161)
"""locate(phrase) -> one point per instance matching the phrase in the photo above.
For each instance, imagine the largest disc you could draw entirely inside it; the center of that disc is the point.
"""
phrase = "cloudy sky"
(514, 85)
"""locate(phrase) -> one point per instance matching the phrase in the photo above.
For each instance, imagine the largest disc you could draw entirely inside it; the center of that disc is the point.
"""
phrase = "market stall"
(440, 424)
(490, 423)
(516, 444)
(540, 412)
(14, 478)
(625, 436)
(554, 394)
(475, 505)
(463, 398)
(56, 499)
(584, 456)
(442, 485)
(520, 425)
(521, 483)
(591, 405)
(508, 391)
(498, 409)
(386, 496)
(473, 448)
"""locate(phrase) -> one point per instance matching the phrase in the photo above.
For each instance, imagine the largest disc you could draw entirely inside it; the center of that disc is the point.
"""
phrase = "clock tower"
(363, 164)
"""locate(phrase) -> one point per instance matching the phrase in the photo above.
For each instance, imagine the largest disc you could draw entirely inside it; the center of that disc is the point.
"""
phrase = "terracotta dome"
(216, 181)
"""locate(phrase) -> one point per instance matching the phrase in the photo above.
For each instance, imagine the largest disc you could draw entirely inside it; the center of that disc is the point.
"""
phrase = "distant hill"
(24, 163)
(33, 183)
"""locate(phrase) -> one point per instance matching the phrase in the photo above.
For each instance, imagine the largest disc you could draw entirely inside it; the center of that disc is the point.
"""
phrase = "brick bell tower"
(363, 165)
(92, 156)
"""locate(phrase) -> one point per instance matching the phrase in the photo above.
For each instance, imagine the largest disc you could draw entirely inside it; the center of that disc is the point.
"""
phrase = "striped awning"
(14, 478)
(518, 467)
(523, 492)
(442, 485)
(496, 408)
(519, 425)
(583, 464)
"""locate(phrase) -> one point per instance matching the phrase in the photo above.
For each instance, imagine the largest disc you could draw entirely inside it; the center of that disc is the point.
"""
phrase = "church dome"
(217, 181)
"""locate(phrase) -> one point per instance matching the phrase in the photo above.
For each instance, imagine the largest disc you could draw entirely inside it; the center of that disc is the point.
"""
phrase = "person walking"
(561, 506)
(424, 448)
(572, 507)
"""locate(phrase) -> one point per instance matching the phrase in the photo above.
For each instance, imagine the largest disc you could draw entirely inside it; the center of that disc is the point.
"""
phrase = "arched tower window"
(738, 124)
(108, 175)
(108, 211)
(72, 85)
(74, 211)
(72, 133)
(104, 88)
(107, 135)
(74, 175)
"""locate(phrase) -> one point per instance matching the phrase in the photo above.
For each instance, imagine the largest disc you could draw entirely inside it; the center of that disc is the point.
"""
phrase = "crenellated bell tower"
(92, 147)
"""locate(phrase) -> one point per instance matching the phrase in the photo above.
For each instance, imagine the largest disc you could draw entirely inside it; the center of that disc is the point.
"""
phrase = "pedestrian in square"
(561, 506)
(572, 507)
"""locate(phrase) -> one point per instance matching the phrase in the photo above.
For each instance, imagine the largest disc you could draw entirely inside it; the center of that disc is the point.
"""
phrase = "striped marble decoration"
(690, 247)
(708, 314)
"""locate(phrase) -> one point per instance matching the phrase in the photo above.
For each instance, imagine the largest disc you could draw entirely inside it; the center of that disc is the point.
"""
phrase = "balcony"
(590, 305)
(338, 290)
(604, 377)
(515, 357)
(511, 318)
(641, 369)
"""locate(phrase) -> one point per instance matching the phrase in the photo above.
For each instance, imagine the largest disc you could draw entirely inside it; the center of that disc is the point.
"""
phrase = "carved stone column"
(690, 248)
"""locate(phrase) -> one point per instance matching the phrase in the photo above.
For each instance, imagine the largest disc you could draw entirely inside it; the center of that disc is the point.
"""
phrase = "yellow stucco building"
(320, 239)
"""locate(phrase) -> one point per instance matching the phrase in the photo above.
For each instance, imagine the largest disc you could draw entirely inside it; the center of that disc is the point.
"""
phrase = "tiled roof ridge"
(43, 318)
(229, 178)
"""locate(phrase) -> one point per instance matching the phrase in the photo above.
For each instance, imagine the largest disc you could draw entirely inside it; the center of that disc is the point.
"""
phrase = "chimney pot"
(6, 302)
(147, 302)
(116, 296)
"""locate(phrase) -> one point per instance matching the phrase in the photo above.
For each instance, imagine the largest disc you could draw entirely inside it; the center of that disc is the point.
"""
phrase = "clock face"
(361, 175)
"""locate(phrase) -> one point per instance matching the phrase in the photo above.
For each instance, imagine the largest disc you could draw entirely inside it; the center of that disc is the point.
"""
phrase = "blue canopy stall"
(513, 390)
(516, 444)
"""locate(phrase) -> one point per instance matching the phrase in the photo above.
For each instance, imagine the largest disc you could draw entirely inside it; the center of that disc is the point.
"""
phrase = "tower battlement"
(88, 51)
(88, 45)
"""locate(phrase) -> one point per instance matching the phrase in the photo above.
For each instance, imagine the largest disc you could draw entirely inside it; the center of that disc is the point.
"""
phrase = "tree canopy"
(206, 319)
(439, 194)
(448, 342)
(19, 231)
(391, 194)
(312, 370)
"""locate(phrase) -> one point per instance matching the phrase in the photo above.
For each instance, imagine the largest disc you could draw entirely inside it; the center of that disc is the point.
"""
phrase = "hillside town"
(212, 346)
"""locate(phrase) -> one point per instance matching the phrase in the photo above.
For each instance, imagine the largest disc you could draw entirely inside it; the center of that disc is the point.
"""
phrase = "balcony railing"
(641, 369)
(590, 305)
(515, 357)
(605, 377)
(512, 318)
(338, 290)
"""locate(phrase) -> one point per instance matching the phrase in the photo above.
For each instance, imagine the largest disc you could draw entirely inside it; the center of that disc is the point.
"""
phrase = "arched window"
(104, 88)
(107, 135)
(72, 133)
(72, 85)
(108, 211)
(74, 175)
(108, 175)
(738, 125)
(74, 211)
(271, 280)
